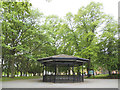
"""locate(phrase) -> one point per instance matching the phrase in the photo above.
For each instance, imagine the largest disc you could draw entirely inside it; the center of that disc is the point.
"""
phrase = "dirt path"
(37, 83)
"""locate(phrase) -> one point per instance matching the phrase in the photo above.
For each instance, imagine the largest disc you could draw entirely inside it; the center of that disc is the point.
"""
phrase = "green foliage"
(20, 25)
(108, 51)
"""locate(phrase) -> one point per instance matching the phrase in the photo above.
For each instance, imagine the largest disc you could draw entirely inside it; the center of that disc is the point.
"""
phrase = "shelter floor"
(37, 83)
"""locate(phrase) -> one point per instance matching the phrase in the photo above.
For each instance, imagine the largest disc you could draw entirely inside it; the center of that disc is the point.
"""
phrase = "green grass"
(19, 78)
(104, 76)
(101, 76)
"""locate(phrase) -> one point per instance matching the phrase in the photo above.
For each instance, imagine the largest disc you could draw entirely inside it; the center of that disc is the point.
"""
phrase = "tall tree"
(108, 50)
(83, 28)
(20, 27)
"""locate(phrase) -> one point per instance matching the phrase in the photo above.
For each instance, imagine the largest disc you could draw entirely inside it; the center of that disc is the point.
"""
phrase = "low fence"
(62, 78)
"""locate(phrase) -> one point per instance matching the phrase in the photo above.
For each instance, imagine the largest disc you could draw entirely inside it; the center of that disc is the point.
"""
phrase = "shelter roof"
(62, 58)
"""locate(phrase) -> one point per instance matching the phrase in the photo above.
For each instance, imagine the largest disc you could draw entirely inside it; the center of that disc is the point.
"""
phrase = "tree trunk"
(119, 65)
(38, 74)
(93, 72)
(7, 74)
(96, 73)
(17, 70)
(88, 68)
(2, 67)
(17, 74)
(12, 63)
(66, 72)
(34, 74)
(4, 74)
(26, 74)
(109, 72)
(12, 69)
(69, 71)
(20, 73)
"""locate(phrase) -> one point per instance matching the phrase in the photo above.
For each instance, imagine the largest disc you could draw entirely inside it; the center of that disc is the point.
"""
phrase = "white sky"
(61, 7)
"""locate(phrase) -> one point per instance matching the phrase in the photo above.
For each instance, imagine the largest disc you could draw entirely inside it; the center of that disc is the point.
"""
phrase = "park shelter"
(54, 65)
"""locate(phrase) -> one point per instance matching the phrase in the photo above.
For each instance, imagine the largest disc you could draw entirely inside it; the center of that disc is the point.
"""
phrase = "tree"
(81, 30)
(108, 54)
(20, 27)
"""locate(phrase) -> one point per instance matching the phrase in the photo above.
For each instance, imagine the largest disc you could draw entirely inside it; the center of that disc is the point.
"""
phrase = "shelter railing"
(62, 78)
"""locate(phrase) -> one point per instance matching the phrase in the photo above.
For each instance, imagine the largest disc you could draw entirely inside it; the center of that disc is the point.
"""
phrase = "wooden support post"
(55, 74)
(73, 73)
(45, 70)
(68, 71)
(43, 73)
(78, 72)
(82, 73)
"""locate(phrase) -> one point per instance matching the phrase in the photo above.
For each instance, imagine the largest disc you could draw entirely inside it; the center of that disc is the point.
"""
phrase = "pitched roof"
(62, 56)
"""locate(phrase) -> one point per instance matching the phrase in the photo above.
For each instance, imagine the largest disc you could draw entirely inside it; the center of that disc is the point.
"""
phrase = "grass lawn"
(19, 78)
(101, 76)
(104, 76)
